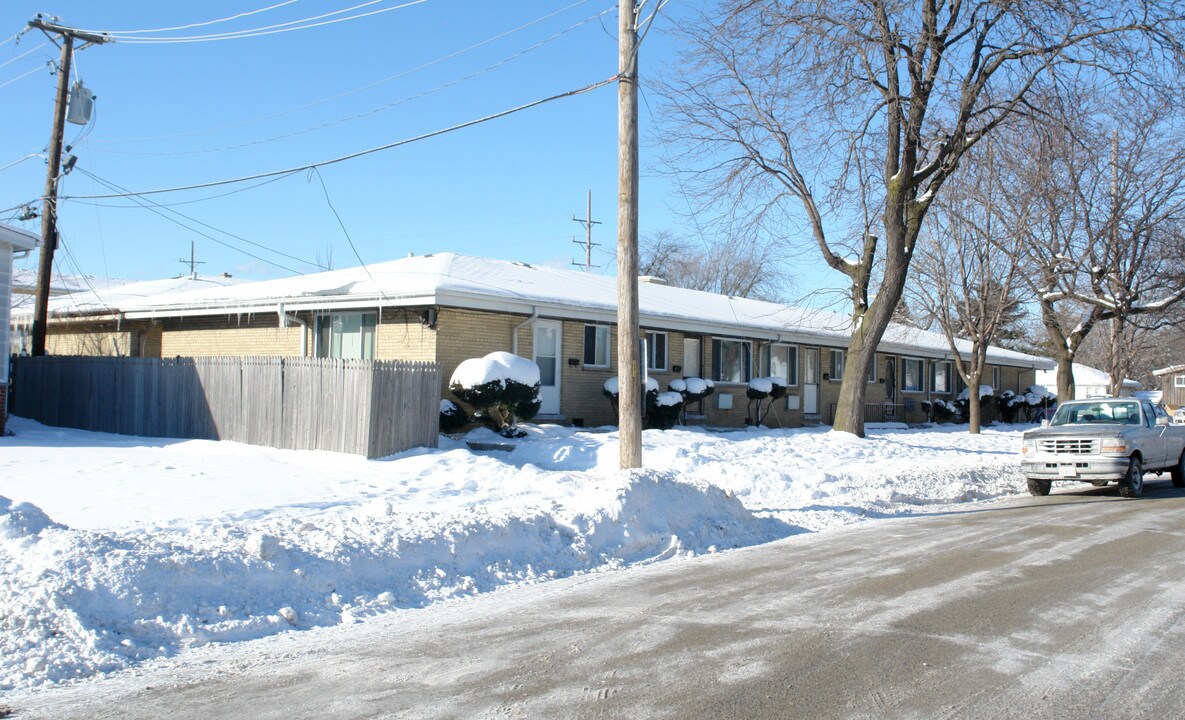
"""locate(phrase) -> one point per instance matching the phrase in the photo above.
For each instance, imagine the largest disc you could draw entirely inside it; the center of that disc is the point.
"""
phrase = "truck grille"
(1069, 446)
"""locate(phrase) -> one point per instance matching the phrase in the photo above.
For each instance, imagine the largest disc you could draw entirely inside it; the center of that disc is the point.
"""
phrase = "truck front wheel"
(1132, 484)
(1039, 487)
(1178, 472)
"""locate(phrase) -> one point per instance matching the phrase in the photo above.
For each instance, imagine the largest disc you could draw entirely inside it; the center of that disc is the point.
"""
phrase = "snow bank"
(75, 603)
(190, 542)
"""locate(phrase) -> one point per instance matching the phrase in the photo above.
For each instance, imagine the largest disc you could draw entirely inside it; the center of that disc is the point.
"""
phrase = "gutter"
(514, 332)
(304, 328)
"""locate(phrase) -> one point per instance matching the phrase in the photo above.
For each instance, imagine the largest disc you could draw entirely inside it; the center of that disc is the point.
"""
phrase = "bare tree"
(965, 273)
(738, 266)
(1103, 197)
(850, 116)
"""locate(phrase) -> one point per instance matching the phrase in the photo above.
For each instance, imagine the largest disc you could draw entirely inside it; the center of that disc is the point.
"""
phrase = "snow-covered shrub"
(963, 402)
(665, 411)
(759, 389)
(697, 389)
(503, 388)
(452, 417)
(1039, 402)
(1009, 406)
(940, 411)
(654, 415)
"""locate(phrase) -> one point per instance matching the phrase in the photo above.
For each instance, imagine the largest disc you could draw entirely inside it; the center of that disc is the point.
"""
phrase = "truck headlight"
(1113, 445)
(1028, 446)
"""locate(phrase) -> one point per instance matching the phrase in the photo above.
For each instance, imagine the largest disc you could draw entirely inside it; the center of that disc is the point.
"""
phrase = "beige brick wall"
(464, 334)
(229, 335)
(106, 339)
(401, 335)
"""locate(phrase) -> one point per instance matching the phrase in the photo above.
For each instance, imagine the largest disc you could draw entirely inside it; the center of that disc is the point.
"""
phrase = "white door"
(690, 357)
(810, 381)
(547, 357)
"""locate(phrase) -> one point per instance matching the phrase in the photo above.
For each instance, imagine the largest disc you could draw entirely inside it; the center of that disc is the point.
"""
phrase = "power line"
(202, 24)
(270, 29)
(356, 90)
(30, 51)
(388, 106)
(360, 153)
(21, 77)
(346, 232)
(152, 207)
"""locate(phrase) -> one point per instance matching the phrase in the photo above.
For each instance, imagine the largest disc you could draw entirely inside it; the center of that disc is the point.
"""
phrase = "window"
(836, 364)
(912, 377)
(996, 379)
(1179, 381)
(656, 351)
(596, 346)
(940, 377)
(346, 335)
(872, 371)
(732, 360)
(782, 361)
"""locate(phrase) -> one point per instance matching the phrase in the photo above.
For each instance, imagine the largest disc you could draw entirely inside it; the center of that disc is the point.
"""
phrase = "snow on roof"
(74, 295)
(456, 280)
(1084, 375)
(1168, 370)
(18, 238)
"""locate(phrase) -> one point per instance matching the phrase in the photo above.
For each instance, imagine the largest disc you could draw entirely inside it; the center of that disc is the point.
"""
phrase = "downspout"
(304, 328)
(514, 332)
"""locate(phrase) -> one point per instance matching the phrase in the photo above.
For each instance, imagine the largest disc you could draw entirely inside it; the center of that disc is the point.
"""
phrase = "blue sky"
(178, 113)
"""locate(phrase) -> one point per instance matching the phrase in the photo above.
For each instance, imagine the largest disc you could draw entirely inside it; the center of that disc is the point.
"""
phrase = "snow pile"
(698, 386)
(76, 603)
(161, 545)
(984, 391)
(669, 399)
(495, 367)
(1037, 394)
(678, 385)
(610, 385)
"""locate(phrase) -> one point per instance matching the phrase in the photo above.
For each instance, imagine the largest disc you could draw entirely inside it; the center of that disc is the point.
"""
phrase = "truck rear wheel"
(1132, 484)
(1038, 487)
(1177, 472)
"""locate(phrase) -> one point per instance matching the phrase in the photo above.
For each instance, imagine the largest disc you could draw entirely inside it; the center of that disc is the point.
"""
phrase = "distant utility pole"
(192, 262)
(49, 217)
(630, 388)
(588, 223)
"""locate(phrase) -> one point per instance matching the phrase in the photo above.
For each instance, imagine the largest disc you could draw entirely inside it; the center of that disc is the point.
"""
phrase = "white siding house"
(12, 240)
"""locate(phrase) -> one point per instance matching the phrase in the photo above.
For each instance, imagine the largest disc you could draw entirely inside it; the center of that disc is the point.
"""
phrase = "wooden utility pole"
(588, 223)
(630, 397)
(49, 216)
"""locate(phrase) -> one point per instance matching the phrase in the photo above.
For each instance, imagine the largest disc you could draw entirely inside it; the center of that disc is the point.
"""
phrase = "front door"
(810, 381)
(691, 369)
(547, 357)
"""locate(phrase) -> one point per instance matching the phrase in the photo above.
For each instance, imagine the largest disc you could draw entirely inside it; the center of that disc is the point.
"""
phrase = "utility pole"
(630, 388)
(192, 262)
(49, 216)
(588, 223)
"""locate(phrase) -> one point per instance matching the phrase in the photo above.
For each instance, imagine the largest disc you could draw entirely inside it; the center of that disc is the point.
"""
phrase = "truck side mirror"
(1044, 423)
(1162, 420)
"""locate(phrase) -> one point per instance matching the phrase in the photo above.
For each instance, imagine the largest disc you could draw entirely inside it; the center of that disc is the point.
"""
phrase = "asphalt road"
(1069, 606)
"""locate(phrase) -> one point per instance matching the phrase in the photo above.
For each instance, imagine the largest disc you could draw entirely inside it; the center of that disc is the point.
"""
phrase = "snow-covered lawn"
(115, 550)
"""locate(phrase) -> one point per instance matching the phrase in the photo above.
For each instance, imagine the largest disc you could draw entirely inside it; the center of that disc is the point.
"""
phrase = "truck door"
(1154, 449)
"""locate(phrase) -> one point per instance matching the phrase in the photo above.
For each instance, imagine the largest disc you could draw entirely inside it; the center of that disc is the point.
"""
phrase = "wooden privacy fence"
(365, 407)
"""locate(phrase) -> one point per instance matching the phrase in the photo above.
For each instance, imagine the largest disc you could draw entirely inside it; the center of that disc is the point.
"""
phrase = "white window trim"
(832, 364)
(321, 317)
(1179, 381)
(949, 389)
(666, 350)
(995, 378)
(711, 371)
(872, 375)
(608, 346)
(793, 350)
(921, 375)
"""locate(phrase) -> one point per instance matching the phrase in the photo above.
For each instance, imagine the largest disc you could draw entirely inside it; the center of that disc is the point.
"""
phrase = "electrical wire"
(152, 207)
(375, 111)
(21, 77)
(268, 181)
(205, 23)
(360, 153)
(359, 89)
(346, 232)
(270, 29)
(30, 51)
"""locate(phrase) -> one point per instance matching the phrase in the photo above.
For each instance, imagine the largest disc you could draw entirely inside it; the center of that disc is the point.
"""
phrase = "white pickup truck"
(1101, 440)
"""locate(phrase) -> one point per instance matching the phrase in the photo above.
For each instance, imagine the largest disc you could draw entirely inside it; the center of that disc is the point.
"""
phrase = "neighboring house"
(1172, 385)
(85, 316)
(1089, 382)
(448, 308)
(12, 241)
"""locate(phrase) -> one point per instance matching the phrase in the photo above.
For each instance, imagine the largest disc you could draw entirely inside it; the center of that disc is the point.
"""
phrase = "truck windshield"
(1100, 413)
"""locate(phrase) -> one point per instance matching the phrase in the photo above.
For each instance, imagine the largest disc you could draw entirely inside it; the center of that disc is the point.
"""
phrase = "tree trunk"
(1065, 374)
(973, 411)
